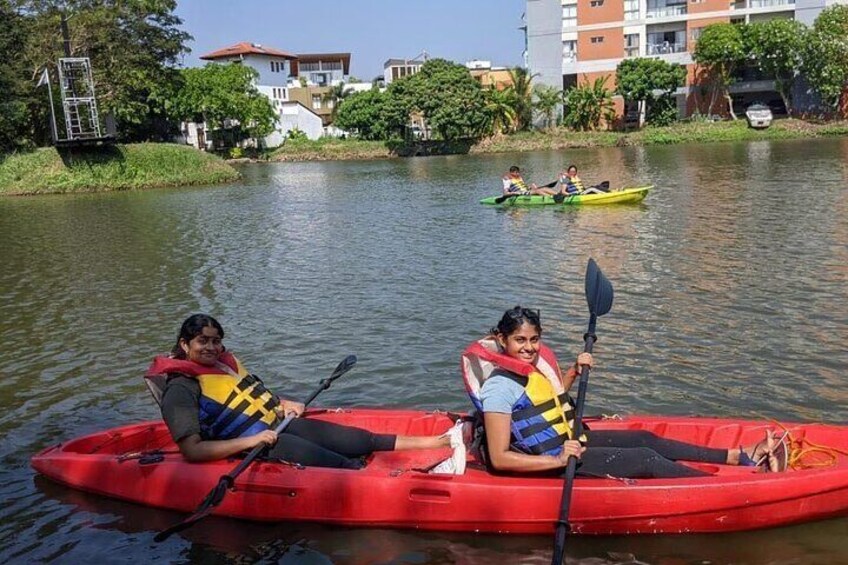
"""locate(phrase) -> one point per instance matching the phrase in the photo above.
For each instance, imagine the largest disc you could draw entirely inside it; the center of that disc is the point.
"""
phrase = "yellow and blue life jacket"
(543, 417)
(233, 403)
(517, 185)
(572, 185)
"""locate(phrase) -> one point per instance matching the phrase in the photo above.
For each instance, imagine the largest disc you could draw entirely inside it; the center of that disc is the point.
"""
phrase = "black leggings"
(323, 444)
(639, 454)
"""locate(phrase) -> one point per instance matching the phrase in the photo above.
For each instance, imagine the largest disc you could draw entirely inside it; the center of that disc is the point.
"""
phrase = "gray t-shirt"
(180, 407)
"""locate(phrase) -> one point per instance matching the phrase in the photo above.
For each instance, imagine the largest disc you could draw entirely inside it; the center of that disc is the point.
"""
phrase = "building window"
(569, 16)
(332, 66)
(307, 67)
(569, 50)
(316, 101)
(598, 39)
(278, 66)
(278, 93)
(695, 34)
(596, 3)
(631, 9)
(631, 45)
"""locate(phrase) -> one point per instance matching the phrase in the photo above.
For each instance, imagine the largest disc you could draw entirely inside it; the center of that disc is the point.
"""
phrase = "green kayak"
(621, 196)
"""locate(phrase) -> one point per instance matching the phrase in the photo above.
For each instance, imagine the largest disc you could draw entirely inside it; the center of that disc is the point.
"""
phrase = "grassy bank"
(118, 167)
(560, 138)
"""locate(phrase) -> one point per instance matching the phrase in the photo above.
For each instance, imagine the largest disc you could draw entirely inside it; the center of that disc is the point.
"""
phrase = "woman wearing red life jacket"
(515, 382)
(214, 409)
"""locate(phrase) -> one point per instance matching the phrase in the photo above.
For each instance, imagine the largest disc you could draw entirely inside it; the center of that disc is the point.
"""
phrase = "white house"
(274, 68)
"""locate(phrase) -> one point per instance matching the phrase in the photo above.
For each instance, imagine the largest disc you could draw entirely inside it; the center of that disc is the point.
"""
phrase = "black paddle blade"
(213, 499)
(598, 290)
(559, 198)
(343, 367)
(504, 198)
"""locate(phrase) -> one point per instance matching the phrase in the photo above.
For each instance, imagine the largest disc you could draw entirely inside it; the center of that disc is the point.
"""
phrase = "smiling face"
(204, 348)
(523, 343)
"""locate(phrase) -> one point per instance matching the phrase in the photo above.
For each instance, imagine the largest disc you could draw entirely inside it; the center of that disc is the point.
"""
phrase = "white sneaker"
(455, 464)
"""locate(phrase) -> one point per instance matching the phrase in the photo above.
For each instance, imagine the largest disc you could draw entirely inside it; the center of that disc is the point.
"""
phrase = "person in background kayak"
(514, 184)
(214, 409)
(516, 384)
(571, 184)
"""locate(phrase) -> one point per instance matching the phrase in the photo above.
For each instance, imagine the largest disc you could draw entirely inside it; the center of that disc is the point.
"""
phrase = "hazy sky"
(371, 30)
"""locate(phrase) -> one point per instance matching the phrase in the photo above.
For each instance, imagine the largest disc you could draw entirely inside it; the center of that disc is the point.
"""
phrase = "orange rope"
(804, 454)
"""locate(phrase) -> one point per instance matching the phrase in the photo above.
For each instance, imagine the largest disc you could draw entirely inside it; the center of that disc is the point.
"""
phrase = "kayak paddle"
(226, 482)
(505, 197)
(599, 296)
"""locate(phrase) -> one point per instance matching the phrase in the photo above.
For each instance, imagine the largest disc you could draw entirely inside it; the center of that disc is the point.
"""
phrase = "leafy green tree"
(776, 47)
(451, 101)
(362, 113)
(219, 92)
(587, 105)
(134, 46)
(826, 55)
(500, 105)
(397, 107)
(523, 89)
(651, 83)
(14, 86)
(721, 49)
(547, 101)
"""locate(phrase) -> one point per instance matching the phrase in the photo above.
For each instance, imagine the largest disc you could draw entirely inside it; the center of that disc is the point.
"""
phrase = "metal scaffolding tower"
(76, 85)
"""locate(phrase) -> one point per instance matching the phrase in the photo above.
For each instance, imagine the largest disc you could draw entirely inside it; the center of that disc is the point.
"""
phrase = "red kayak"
(140, 463)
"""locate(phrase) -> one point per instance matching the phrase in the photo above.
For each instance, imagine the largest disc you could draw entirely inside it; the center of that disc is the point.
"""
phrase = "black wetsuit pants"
(638, 454)
(323, 444)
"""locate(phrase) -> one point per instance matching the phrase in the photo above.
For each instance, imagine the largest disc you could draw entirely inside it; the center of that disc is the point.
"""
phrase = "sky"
(370, 30)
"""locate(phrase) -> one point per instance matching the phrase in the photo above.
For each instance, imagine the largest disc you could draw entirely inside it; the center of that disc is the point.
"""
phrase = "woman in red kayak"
(516, 384)
(214, 409)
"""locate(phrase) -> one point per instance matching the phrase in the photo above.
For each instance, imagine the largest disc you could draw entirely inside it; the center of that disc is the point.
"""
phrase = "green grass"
(110, 168)
(328, 148)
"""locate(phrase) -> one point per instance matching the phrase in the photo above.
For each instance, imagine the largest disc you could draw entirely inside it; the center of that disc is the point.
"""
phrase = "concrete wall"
(544, 41)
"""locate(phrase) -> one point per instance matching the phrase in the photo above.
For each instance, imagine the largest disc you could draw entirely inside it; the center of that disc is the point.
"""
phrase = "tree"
(13, 81)
(825, 57)
(444, 94)
(361, 113)
(500, 105)
(219, 92)
(651, 83)
(335, 96)
(776, 47)
(522, 86)
(450, 99)
(134, 46)
(587, 105)
(548, 100)
(721, 49)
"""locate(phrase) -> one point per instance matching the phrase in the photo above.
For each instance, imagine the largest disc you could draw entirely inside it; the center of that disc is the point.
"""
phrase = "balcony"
(665, 48)
(665, 11)
(770, 3)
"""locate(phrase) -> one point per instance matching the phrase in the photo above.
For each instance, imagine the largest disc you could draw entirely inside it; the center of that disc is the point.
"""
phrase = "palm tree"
(500, 104)
(335, 96)
(587, 105)
(521, 84)
(548, 101)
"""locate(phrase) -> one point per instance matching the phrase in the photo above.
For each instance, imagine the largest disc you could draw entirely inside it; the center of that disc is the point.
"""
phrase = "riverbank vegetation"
(564, 138)
(117, 167)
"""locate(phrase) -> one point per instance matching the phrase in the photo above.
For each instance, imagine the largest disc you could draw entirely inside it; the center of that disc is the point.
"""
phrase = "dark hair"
(514, 169)
(514, 318)
(572, 167)
(193, 327)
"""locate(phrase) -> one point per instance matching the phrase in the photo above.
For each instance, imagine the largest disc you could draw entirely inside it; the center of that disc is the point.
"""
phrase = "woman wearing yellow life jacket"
(214, 409)
(515, 382)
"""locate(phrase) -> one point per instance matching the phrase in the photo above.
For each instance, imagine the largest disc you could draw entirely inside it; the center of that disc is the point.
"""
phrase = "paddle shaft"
(562, 525)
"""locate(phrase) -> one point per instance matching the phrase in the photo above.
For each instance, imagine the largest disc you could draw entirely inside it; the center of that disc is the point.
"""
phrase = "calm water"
(730, 300)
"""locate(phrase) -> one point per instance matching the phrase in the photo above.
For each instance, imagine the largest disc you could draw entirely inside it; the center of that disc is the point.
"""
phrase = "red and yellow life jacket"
(233, 403)
(543, 417)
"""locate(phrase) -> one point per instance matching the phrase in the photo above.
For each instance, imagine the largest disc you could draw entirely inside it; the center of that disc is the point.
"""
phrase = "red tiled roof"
(246, 48)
